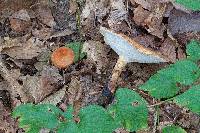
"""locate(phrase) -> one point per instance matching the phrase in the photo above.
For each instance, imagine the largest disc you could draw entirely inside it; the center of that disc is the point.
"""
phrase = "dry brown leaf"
(7, 122)
(7, 42)
(56, 97)
(19, 25)
(118, 13)
(140, 15)
(26, 50)
(21, 15)
(11, 77)
(43, 13)
(97, 53)
(168, 48)
(146, 4)
(41, 86)
(95, 9)
(181, 22)
(43, 33)
(74, 94)
(72, 6)
(154, 21)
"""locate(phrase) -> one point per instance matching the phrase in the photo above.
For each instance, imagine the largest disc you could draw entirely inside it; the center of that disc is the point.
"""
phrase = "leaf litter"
(30, 30)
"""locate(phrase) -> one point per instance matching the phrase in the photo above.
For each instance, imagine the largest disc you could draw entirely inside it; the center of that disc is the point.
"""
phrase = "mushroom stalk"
(119, 66)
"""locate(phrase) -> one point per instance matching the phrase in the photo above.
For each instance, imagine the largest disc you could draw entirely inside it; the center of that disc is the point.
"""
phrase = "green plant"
(170, 82)
(173, 129)
(129, 110)
(77, 49)
(190, 4)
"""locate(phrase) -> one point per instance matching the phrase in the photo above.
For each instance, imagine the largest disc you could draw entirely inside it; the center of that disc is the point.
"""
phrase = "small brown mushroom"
(62, 57)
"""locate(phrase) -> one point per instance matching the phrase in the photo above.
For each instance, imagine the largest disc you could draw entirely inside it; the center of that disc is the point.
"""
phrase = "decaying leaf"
(180, 22)
(118, 12)
(11, 77)
(154, 21)
(56, 97)
(97, 8)
(24, 50)
(41, 86)
(140, 15)
(43, 13)
(7, 123)
(97, 53)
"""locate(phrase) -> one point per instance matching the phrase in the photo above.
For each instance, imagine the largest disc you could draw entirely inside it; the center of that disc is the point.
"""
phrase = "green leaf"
(34, 117)
(68, 127)
(163, 84)
(77, 48)
(69, 113)
(192, 50)
(190, 99)
(160, 86)
(173, 129)
(190, 4)
(184, 72)
(130, 110)
(95, 119)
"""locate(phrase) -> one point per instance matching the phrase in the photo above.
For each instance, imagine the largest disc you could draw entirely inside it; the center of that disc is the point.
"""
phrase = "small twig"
(162, 102)
(156, 119)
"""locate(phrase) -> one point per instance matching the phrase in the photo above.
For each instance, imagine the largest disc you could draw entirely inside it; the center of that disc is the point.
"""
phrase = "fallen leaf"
(154, 23)
(26, 50)
(146, 4)
(140, 15)
(168, 48)
(97, 8)
(43, 34)
(41, 86)
(97, 53)
(180, 22)
(56, 97)
(7, 122)
(43, 13)
(118, 13)
(19, 25)
(21, 15)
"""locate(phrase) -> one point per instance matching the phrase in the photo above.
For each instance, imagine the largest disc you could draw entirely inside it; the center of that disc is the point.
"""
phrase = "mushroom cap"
(62, 57)
(129, 49)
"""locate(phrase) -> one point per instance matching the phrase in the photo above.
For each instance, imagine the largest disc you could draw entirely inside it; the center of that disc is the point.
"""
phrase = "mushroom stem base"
(119, 66)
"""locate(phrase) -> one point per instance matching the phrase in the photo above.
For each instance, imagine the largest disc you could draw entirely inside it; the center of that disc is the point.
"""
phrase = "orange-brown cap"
(62, 57)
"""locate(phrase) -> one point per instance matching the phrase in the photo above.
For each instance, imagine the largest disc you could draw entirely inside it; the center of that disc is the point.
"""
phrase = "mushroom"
(128, 51)
(62, 57)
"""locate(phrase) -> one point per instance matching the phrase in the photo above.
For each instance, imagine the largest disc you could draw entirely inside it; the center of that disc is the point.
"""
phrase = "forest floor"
(30, 30)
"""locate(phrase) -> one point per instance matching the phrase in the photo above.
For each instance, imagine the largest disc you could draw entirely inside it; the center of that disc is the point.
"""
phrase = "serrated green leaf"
(77, 47)
(190, 99)
(95, 119)
(34, 117)
(68, 127)
(184, 72)
(173, 129)
(163, 84)
(160, 86)
(192, 50)
(69, 113)
(190, 4)
(130, 110)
